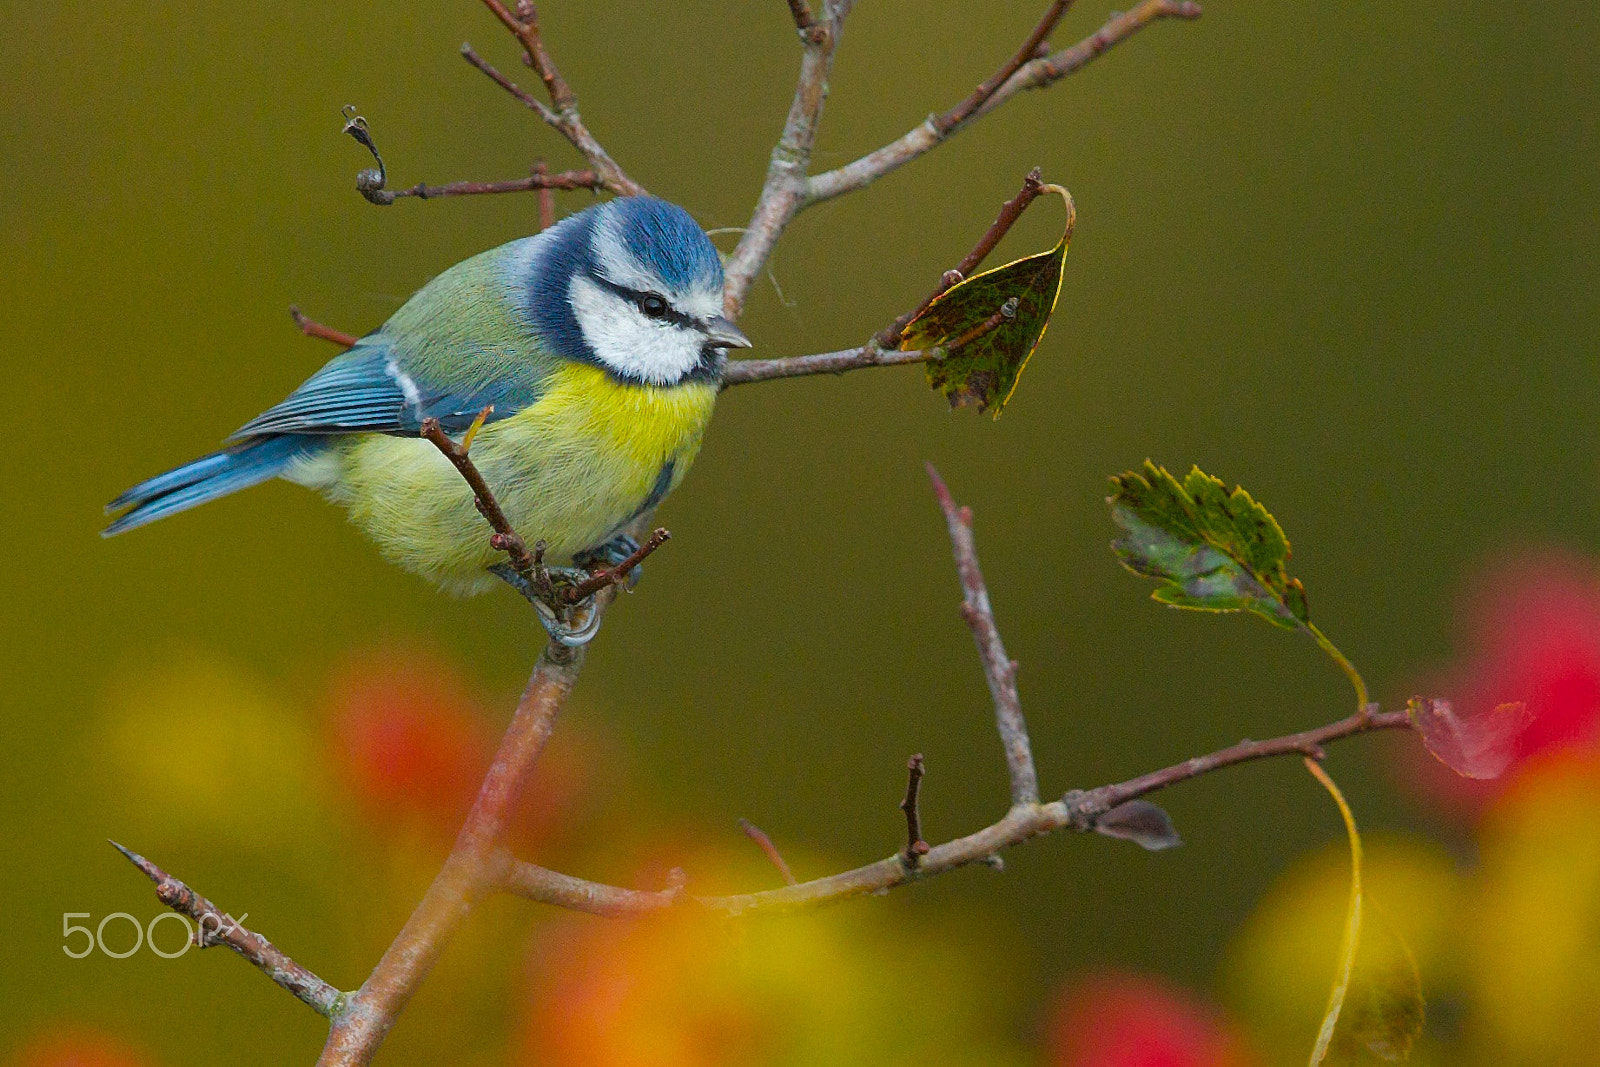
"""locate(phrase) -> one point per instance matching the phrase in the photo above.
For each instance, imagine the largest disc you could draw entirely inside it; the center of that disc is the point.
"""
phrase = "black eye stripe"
(637, 296)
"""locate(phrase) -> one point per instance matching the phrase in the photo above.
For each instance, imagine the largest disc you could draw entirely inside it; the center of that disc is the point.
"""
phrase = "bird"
(596, 347)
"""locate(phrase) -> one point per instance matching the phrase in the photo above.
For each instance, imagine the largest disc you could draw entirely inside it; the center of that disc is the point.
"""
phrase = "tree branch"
(1026, 818)
(1034, 73)
(916, 847)
(1010, 212)
(475, 866)
(804, 21)
(951, 120)
(216, 927)
(745, 371)
(616, 575)
(562, 115)
(1078, 811)
(784, 192)
(764, 843)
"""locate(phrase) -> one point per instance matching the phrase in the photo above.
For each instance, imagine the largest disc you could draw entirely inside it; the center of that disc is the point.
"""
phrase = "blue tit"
(599, 344)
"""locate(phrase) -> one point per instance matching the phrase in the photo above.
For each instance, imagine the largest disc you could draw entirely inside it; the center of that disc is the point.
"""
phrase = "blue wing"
(368, 390)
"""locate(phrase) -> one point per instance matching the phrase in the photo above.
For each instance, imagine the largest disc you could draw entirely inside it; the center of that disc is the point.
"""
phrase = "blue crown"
(668, 240)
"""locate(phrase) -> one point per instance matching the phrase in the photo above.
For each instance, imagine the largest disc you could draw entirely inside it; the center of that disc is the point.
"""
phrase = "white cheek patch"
(627, 342)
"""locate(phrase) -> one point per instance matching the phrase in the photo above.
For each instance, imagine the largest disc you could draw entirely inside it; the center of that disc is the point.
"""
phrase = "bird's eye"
(653, 306)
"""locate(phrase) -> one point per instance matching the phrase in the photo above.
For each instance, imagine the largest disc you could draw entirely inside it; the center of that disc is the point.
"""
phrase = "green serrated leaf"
(1212, 549)
(991, 323)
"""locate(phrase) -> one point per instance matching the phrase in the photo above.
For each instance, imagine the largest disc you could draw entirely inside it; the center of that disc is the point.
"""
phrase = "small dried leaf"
(991, 323)
(1141, 822)
(1212, 549)
(1482, 746)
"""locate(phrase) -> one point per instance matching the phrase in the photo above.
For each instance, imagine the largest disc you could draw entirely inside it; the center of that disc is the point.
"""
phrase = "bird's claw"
(567, 624)
(573, 626)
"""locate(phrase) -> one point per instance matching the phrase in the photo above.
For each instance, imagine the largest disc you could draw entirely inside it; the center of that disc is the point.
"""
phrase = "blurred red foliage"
(73, 1047)
(1531, 633)
(413, 747)
(1117, 1019)
(408, 740)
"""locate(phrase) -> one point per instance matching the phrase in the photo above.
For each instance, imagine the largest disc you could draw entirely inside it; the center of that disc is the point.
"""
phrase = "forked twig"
(1035, 73)
(562, 113)
(881, 351)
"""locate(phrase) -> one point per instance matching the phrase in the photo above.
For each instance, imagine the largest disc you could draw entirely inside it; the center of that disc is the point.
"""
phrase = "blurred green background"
(1342, 254)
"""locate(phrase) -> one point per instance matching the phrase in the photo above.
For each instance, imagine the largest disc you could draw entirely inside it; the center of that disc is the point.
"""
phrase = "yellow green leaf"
(990, 324)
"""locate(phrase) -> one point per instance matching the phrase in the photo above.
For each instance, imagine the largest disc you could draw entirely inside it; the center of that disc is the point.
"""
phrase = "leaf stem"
(1350, 672)
(1351, 939)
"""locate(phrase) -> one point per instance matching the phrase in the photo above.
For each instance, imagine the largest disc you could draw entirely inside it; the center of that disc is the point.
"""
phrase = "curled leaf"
(1212, 549)
(1141, 822)
(989, 325)
(1482, 746)
(1376, 1003)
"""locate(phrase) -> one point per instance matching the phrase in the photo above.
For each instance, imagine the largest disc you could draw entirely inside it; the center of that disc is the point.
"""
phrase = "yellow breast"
(570, 470)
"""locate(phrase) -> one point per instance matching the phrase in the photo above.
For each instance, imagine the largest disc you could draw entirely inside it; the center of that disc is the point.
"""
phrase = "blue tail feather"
(245, 464)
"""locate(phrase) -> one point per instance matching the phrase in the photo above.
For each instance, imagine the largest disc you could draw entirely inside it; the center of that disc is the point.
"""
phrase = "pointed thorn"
(151, 871)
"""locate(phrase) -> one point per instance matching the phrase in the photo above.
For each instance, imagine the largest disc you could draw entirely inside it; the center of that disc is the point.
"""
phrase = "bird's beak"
(722, 333)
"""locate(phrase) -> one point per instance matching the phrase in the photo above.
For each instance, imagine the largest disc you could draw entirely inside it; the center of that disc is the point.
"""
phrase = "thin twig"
(311, 328)
(505, 538)
(1010, 212)
(1026, 818)
(951, 120)
(1076, 811)
(1047, 70)
(763, 842)
(528, 100)
(746, 371)
(547, 199)
(216, 927)
(998, 668)
(540, 182)
(1033, 74)
(616, 575)
(916, 847)
(803, 19)
(562, 115)
(524, 26)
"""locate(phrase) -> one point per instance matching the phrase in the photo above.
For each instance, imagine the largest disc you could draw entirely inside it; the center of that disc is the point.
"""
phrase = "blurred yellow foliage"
(196, 749)
(1532, 940)
(845, 986)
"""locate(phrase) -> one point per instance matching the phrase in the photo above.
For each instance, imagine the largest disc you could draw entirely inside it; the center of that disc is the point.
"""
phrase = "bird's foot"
(613, 553)
(567, 624)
